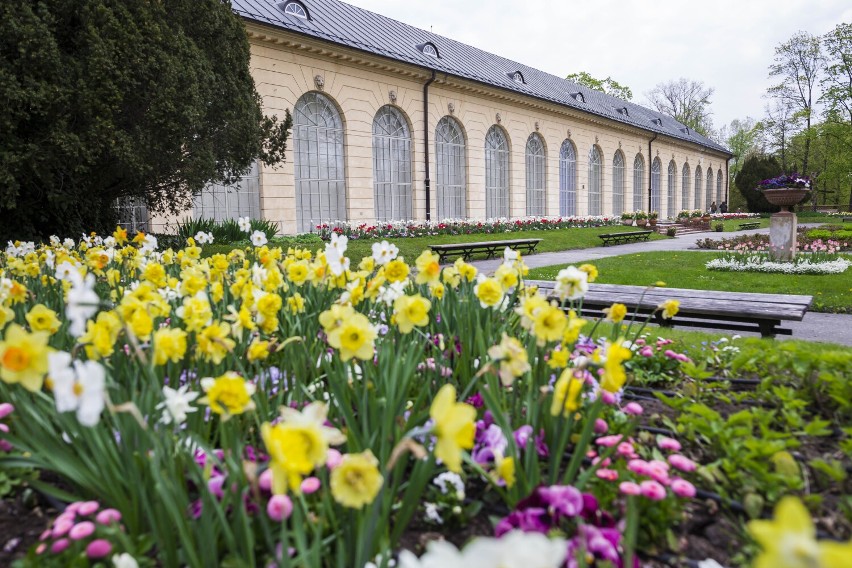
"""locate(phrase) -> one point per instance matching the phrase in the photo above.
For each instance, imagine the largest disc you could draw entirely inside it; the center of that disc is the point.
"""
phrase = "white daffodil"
(258, 238)
(177, 404)
(384, 252)
(389, 294)
(510, 256)
(66, 270)
(571, 283)
(78, 388)
(245, 224)
(203, 238)
(516, 549)
(337, 262)
(149, 244)
(81, 303)
(68, 243)
(124, 560)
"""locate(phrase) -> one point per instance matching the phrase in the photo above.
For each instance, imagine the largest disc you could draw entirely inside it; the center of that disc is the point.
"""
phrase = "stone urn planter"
(652, 222)
(783, 225)
(641, 222)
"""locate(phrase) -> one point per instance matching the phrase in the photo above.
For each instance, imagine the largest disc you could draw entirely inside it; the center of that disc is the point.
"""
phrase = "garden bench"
(847, 219)
(625, 237)
(737, 311)
(490, 248)
(750, 225)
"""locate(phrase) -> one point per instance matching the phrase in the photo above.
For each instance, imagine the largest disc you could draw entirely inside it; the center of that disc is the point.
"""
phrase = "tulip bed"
(275, 407)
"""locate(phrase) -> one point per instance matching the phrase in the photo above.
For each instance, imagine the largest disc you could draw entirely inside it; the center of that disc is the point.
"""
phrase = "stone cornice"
(282, 38)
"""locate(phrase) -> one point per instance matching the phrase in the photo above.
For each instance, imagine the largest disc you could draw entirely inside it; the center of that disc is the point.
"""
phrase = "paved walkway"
(830, 328)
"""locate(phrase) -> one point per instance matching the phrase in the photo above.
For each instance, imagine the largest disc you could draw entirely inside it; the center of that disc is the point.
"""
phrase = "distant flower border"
(759, 264)
(410, 229)
(784, 181)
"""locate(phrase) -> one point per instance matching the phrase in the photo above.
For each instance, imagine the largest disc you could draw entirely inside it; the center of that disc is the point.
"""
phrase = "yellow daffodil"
(195, 312)
(614, 375)
(507, 276)
(789, 540)
(591, 270)
(356, 480)
(572, 330)
(453, 425)
(169, 345)
(436, 290)
(268, 307)
(354, 337)
(549, 324)
(23, 357)
(6, 315)
(566, 394)
(504, 471)
(411, 311)
(396, 270)
(258, 351)
(298, 444)
(616, 313)
(42, 318)
(296, 304)
(297, 272)
(428, 268)
(466, 271)
(513, 359)
(558, 359)
(228, 394)
(214, 342)
(670, 308)
(101, 335)
(489, 292)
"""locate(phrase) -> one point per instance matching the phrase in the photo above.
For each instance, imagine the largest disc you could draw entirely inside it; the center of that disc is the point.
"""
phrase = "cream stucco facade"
(286, 66)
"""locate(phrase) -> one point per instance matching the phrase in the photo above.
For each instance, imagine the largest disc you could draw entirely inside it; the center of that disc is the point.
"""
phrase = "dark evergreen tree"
(109, 99)
(757, 168)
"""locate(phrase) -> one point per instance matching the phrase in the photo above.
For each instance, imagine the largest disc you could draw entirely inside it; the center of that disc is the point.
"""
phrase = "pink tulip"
(6, 409)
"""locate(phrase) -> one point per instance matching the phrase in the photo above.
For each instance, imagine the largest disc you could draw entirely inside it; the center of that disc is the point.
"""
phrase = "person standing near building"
(713, 207)
(723, 208)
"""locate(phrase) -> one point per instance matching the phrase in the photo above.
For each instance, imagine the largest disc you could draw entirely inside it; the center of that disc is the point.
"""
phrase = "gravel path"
(826, 328)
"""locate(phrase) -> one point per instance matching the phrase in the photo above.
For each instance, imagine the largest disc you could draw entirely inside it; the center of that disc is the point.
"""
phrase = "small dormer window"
(294, 8)
(685, 130)
(517, 77)
(578, 96)
(657, 121)
(623, 111)
(429, 49)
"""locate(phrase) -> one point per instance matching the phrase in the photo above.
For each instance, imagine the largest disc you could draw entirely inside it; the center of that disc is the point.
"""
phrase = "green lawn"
(682, 269)
(733, 225)
(552, 241)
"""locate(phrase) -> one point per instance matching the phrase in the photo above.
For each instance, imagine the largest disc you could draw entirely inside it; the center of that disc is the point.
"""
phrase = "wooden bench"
(750, 225)
(737, 311)
(847, 219)
(490, 248)
(626, 237)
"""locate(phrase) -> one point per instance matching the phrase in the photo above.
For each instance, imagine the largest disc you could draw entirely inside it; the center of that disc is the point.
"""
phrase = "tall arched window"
(670, 195)
(221, 202)
(536, 189)
(656, 173)
(719, 187)
(618, 183)
(391, 165)
(698, 186)
(709, 189)
(452, 170)
(567, 179)
(595, 180)
(318, 162)
(686, 178)
(638, 182)
(496, 173)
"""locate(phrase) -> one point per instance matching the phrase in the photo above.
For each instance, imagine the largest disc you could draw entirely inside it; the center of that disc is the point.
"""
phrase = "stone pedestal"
(782, 236)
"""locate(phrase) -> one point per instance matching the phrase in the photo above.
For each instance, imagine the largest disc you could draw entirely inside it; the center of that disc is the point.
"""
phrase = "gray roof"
(344, 24)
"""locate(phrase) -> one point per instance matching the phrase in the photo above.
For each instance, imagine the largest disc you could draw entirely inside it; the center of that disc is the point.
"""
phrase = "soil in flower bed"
(21, 523)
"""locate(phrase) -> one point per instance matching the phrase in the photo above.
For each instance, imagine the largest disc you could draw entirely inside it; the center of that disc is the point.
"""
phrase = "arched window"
(318, 161)
(391, 165)
(595, 180)
(656, 173)
(452, 170)
(294, 8)
(536, 188)
(222, 202)
(618, 183)
(638, 182)
(698, 186)
(496, 173)
(719, 187)
(709, 189)
(686, 178)
(567, 179)
(670, 195)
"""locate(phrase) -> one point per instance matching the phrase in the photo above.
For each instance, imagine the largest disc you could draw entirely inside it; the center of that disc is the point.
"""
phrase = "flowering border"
(759, 264)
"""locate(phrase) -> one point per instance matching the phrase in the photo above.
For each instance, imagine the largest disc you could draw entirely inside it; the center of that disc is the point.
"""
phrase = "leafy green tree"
(756, 168)
(837, 82)
(609, 85)
(107, 100)
(685, 100)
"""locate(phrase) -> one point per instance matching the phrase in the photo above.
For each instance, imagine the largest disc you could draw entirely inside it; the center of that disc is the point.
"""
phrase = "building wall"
(285, 67)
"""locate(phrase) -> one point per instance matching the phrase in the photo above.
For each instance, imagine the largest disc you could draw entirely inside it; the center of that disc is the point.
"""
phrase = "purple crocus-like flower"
(489, 444)
(476, 401)
(562, 500)
(522, 436)
(585, 345)
(533, 519)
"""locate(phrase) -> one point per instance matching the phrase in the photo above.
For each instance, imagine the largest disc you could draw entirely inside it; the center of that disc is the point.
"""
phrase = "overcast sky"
(727, 44)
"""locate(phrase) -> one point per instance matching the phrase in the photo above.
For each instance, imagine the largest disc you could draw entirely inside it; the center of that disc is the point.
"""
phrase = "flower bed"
(757, 263)
(405, 229)
(292, 408)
